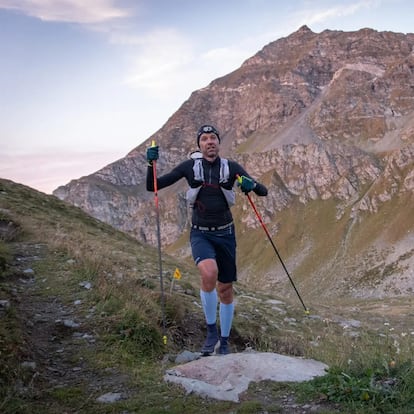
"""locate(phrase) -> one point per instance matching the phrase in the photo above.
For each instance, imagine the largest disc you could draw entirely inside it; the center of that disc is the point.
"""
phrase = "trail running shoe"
(211, 340)
(224, 348)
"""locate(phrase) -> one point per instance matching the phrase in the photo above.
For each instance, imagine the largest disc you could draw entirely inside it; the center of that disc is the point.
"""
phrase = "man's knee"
(225, 292)
(208, 272)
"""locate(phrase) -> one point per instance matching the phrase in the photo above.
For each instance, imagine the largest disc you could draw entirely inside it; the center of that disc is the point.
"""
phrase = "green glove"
(152, 154)
(246, 184)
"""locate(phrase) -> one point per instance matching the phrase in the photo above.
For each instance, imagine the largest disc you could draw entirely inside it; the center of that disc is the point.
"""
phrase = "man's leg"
(226, 314)
(208, 294)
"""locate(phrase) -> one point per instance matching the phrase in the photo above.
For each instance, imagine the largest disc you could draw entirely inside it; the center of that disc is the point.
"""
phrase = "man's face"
(209, 145)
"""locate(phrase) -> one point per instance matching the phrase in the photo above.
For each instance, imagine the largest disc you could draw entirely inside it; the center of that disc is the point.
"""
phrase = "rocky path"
(57, 340)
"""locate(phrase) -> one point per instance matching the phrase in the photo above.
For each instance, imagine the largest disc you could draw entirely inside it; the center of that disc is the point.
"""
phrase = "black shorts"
(219, 245)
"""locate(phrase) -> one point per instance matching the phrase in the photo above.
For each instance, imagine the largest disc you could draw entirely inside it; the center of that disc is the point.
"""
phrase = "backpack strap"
(224, 170)
(198, 170)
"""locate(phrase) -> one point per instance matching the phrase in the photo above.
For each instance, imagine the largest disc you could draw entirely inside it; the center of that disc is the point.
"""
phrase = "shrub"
(139, 337)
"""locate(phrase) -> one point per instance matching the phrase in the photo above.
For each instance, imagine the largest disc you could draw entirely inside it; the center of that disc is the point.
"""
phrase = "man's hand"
(152, 154)
(246, 184)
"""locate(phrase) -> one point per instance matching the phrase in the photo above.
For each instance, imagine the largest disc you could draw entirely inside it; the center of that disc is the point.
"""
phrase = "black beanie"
(207, 129)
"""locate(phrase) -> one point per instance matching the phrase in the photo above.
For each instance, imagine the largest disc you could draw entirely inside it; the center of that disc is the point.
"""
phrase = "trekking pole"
(154, 171)
(274, 246)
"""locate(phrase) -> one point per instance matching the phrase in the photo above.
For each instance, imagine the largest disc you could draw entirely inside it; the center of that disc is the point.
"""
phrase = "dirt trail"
(57, 338)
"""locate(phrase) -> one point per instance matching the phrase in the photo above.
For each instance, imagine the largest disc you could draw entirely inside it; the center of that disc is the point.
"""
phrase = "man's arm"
(167, 179)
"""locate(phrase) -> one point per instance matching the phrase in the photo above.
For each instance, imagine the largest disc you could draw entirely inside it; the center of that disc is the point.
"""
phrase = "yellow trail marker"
(177, 274)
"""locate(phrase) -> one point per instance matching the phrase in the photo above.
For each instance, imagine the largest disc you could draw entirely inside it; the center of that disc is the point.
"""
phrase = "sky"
(83, 82)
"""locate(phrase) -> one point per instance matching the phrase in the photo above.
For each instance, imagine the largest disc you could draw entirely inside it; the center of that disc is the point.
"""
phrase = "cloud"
(74, 11)
(223, 55)
(47, 171)
(314, 15)
(166, 64)
(159, 60)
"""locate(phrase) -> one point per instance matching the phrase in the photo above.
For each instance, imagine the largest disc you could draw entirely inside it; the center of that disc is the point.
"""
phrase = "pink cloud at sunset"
(46, 172)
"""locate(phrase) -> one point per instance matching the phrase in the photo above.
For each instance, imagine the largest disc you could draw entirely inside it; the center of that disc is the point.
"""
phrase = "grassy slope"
(128, 317)
(323, 253)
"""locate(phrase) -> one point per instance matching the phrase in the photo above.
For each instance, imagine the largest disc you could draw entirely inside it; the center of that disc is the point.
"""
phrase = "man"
(212, 236)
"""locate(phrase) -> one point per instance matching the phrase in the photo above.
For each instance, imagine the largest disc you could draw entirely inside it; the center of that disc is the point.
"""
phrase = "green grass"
(377, 388)
(128, 319)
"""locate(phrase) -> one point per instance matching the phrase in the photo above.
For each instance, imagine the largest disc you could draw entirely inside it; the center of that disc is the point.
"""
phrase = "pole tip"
(307, 312)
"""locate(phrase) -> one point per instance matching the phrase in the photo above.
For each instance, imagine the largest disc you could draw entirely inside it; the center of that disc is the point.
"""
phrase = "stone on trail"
(110, 397)
(226, 377)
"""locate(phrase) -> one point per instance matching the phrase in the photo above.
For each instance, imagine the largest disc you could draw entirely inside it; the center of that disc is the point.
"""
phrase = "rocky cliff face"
(326, 121)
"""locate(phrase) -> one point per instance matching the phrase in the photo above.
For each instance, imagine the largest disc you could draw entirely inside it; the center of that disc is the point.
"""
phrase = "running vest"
(198, 171)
